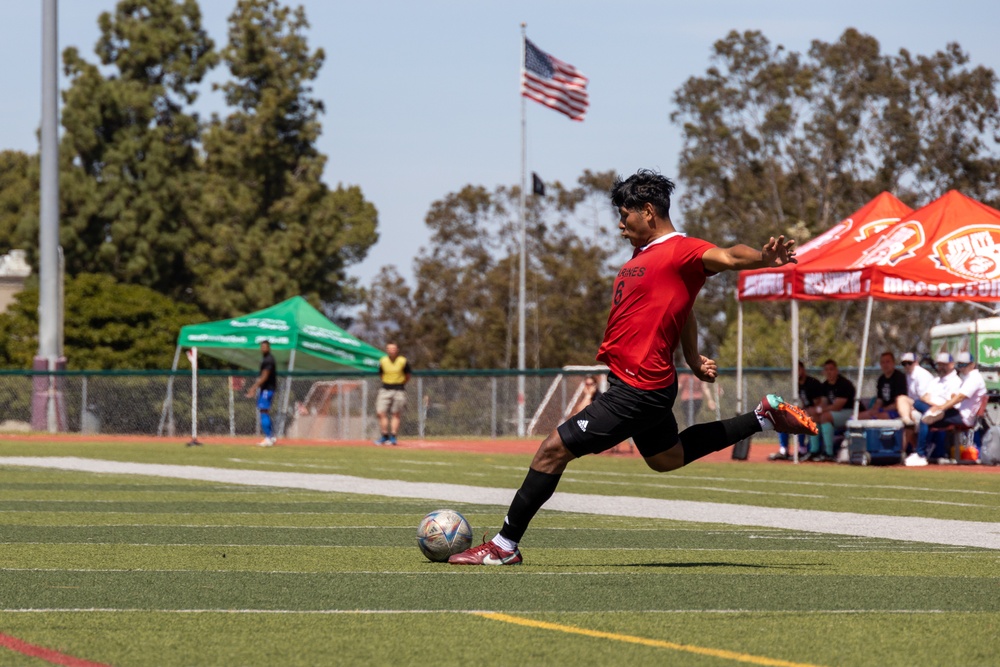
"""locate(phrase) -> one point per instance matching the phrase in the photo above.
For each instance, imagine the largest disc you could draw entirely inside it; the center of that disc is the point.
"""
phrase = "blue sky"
(422, 97)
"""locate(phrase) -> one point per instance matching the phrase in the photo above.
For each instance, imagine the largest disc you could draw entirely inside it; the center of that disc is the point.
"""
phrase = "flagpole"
(521, 278)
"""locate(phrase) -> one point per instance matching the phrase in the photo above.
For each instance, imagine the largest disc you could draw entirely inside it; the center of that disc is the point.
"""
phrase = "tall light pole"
(48, 228)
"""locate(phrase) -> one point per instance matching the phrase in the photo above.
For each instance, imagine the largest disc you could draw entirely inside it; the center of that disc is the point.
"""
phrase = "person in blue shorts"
(263, 390)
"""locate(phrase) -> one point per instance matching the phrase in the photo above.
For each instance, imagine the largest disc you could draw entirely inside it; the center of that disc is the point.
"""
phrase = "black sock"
(702, 439)
(535, 490)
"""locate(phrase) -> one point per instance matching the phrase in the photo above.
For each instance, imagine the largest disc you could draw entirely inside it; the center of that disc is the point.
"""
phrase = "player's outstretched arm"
(776, 252)
(704, 368)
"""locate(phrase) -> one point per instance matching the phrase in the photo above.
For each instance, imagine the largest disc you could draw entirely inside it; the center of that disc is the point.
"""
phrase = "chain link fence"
(473, 404)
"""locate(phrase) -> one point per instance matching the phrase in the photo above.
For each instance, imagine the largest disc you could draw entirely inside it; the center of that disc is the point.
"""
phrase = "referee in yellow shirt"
(394, 370)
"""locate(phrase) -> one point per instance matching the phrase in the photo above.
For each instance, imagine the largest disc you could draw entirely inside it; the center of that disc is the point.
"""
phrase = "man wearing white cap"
(963, 407)
(941, 390)
(918, 382)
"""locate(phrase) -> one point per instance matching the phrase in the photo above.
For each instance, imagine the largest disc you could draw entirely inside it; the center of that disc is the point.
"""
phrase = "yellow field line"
(718, 653)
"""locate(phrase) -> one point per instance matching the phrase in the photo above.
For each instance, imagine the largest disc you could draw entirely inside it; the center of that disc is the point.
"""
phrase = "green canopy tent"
(301, 338)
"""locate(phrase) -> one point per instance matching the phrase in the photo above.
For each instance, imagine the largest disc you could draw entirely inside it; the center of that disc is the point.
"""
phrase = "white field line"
(209, 526)
(401, 612)
(287, 465)
(677, 482)
(752, 480)
(778, 534)
(840, 548)
(915, 529)
(851, 548)
(771, 493)
(682, 487)
(452, 572)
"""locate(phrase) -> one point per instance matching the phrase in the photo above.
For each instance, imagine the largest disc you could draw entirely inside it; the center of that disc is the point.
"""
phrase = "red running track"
(758, 451)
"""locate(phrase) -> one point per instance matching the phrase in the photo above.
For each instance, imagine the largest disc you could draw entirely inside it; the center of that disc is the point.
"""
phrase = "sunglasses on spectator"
(907, 363)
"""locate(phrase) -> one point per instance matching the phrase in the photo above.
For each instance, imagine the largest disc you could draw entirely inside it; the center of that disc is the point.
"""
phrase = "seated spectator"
(888, 388)
(944, 387)
(830, 412)
(918, 382)
(810, 390)
(962, 408)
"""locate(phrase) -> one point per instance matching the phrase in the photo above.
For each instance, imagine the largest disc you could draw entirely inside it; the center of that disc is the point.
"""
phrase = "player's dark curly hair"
(643, 187)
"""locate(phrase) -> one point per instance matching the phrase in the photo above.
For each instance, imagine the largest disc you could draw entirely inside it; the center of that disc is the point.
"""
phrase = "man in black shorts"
(650, 314)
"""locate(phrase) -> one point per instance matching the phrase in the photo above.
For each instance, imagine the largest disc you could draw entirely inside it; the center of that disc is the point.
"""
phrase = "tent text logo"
(971, 252)
(874, 227)
(833, 282)
(764, 284)
(897, 244)
(826, 238)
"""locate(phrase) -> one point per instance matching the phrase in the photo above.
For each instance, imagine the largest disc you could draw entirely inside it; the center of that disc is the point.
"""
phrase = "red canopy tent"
(868, 222)
(777, 284)
(948, 250)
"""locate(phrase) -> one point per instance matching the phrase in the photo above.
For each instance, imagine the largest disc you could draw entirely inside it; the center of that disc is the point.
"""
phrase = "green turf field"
(131, 570)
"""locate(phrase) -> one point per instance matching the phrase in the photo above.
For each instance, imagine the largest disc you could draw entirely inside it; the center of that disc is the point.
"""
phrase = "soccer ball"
(443, 533)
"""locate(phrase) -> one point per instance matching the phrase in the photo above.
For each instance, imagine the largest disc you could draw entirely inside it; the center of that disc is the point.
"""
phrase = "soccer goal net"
(563, 395)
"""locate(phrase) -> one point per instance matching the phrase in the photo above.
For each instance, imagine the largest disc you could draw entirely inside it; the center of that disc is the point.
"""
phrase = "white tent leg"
(364, 409)
(864, 353)
(168, 402)
(288, 391)
(194, 397)
(739, 357)
(793, 440)
(232, 407)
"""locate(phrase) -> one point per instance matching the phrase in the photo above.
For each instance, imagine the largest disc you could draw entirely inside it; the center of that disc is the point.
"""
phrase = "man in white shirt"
(963, 407)
(944, 387)
(918, 382)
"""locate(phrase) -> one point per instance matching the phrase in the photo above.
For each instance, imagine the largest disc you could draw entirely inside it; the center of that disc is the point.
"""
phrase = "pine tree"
(269, 228)
(130, 166)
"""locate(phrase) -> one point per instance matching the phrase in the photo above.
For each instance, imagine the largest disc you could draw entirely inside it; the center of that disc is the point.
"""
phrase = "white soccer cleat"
(915, 460)
(266, 442)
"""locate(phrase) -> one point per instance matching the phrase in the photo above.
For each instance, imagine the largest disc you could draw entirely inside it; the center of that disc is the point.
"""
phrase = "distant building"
(14, 270)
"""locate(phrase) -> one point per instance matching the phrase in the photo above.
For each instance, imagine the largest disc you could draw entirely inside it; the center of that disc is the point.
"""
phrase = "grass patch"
(133, 570)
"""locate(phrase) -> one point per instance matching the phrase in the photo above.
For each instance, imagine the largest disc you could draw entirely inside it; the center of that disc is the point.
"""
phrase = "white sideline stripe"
(399, 612)
(288, 465)
(781, 534)
(405, 573)
(752, 480)
(717, 489)
(777, 493)
(842, 548)
(207, 526)
(914, 529)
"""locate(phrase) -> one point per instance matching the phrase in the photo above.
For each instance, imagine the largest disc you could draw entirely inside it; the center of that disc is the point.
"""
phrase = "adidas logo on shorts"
(582, 423)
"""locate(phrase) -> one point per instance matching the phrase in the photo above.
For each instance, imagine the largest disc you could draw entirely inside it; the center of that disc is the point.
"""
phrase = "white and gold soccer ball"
(443, 533)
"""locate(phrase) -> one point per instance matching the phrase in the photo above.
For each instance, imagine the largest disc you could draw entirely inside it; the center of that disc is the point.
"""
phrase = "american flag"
(552, 82)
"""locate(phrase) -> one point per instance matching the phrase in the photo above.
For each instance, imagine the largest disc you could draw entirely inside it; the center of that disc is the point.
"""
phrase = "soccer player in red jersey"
(650, 314)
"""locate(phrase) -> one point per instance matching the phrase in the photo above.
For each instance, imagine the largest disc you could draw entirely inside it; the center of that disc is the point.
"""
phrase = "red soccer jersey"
(653, 296)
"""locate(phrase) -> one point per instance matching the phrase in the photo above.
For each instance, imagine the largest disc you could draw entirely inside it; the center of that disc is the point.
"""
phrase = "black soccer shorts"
(620, 413)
